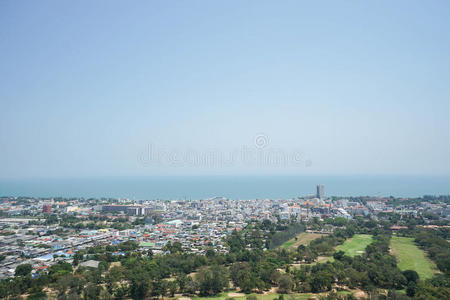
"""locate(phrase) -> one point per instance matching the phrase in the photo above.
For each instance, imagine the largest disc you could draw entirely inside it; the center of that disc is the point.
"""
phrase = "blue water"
(234, 187)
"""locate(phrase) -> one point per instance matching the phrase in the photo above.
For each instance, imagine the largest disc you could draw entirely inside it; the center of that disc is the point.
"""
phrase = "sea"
(232, 187)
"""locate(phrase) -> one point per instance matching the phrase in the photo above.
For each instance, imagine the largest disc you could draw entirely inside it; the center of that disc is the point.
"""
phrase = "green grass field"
(270, 296)
(352, 247)
(355, 245)
(288, 244)
(411, 257)
(303, 238)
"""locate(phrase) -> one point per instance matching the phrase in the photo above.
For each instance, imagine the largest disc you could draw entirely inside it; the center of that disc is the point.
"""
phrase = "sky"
(134, 88)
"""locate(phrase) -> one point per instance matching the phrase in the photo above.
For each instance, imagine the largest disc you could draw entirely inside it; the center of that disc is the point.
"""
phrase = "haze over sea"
(234, 187)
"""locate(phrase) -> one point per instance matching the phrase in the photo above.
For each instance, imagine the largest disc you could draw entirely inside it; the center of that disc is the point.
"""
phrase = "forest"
(253, 264)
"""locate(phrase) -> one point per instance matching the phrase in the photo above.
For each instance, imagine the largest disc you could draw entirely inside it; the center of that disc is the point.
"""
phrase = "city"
(42, 232)
(225, 150)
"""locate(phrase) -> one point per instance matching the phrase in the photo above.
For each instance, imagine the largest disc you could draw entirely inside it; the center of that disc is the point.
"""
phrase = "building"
(47, 208)
(320, 191)
(139, 211)
(90, 264)
(117, 208)
(134, 210)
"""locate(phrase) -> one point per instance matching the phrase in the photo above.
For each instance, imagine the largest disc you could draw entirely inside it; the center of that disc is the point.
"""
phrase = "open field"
(303, 238)
(352, 247)
(355, 245)
(268, 296)
(411, 257)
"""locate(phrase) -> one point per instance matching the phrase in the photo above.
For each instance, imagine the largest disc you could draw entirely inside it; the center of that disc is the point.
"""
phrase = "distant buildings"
(196, 224)
(136, 210)
(320, 191)
(47, 208)
(116, 208)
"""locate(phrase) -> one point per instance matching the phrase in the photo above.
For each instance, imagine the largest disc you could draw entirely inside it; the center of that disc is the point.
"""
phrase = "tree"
(191, 286)
(242, 276)
(63, 283)
(160, 288)
(115, 274)
(235, 242)
(411, 275)
(321, 281)
(181, 281)
(77, 257)
(411, 289)
(140, 285)
(120, 292)
(285, 285)
(212, 280)
(176, 247)
(92, 292)
(105, 295)
(338, 255)
(172, 285)
(23, 270)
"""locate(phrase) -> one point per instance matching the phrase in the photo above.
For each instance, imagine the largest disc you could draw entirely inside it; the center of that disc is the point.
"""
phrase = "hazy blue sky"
(354, 87)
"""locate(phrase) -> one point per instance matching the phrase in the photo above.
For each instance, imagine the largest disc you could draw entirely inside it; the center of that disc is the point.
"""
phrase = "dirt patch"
(192, 274)
(272, 290)
(115, 264)
(360, 295)
(303, 238)
(236, 295)
(184, 298)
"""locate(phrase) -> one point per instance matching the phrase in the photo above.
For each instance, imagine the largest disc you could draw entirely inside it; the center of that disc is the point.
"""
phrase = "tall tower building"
(320, 191)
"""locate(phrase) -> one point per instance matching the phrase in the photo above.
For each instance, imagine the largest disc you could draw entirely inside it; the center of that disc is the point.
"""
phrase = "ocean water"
(234, 187)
